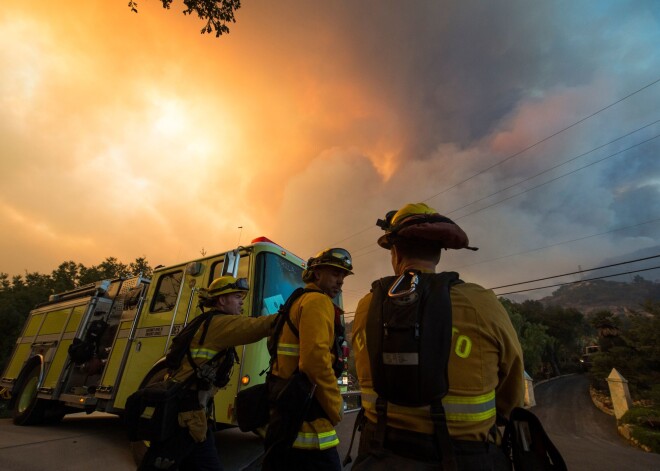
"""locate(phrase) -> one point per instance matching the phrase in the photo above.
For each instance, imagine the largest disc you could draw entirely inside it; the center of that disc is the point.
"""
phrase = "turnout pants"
(470, 455)
(181, 452)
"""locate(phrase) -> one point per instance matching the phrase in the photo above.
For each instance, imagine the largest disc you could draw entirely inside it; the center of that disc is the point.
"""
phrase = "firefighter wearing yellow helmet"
(194, 445)
(485, 366)
(310, 343)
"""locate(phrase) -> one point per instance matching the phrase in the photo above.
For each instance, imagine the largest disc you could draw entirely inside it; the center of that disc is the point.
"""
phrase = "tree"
(140, 267)
(66, 277)
(567, 328)
(532, 336)
(107, 269)
(633, 348)
(216, 13)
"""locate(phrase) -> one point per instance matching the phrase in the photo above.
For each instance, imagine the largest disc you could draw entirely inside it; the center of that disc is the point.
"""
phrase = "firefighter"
(193, 447)
(311, 344)
(485, 368)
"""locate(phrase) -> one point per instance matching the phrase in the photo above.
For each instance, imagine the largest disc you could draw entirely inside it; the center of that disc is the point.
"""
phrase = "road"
(586, 437)
(98, 441)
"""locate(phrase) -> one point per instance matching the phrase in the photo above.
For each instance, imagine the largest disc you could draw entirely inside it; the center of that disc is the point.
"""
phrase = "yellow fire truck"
(90, 348)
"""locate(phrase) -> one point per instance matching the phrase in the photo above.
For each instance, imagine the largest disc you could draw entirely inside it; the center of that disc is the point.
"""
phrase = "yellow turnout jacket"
(485, 367)
(313, 314)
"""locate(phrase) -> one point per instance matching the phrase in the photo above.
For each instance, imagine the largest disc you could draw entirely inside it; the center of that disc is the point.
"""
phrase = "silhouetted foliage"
(216, 13)
(533, 339)
(632, 348)
(551, 336)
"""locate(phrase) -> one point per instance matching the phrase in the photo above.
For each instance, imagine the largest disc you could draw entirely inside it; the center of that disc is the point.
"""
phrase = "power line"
(652, 221)
(559, 165)
(558, 177)
(544, 139)
(367, 253)
(541, 184)
(353, 235)
(521, 151)
(581, 281)
(577, 272)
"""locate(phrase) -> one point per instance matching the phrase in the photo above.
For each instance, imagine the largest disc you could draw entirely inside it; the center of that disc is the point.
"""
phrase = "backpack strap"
(284, 317)
(442, 438)
(441, 302)
(206, 324)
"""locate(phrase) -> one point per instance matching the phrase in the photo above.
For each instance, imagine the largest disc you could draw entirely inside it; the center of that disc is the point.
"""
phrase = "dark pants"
(470, 455)
(184, 453)
(303, 460)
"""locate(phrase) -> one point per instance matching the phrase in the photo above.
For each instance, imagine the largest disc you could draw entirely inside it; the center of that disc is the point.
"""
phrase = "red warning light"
(262, 239)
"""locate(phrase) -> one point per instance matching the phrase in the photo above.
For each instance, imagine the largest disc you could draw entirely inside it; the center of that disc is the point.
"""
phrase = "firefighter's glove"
(163, 463)
(195, 422)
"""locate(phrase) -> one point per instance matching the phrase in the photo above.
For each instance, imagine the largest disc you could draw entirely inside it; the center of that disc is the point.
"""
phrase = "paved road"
(586, 437)
(98, 442)
(79, 442)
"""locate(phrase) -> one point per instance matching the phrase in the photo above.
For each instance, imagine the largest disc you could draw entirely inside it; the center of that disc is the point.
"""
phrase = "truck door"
(170, 302)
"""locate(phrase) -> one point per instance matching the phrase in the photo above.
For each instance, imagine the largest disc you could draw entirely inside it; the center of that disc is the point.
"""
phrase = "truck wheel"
(28, 409)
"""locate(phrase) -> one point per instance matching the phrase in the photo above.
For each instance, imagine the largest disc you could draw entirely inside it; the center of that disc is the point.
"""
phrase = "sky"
(532, 124)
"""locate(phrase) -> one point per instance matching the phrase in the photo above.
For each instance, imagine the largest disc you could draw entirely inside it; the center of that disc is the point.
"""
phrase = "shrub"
(646, 422)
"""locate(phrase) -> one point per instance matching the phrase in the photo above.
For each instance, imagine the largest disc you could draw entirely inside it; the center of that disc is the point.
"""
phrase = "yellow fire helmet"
(419, 221)
(224, 285)
(335, 257)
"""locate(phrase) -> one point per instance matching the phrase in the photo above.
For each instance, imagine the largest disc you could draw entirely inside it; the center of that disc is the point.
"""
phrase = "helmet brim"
(445, 235)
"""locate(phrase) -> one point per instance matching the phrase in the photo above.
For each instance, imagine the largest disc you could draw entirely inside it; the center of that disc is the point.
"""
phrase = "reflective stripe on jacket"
(313, 314)
(457, 408)
(225, 331)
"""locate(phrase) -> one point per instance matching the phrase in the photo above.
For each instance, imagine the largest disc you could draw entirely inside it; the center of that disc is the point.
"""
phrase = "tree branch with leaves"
(218, 14)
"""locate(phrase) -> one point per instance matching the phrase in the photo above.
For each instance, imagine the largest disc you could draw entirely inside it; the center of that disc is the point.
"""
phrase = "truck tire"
(27, 408)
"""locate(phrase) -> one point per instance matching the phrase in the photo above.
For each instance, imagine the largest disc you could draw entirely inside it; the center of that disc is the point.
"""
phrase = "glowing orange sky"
(133, 135)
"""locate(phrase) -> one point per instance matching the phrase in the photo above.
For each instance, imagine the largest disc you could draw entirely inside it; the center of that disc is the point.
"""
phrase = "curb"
(598, 403)
(552, 379)
(625, 430)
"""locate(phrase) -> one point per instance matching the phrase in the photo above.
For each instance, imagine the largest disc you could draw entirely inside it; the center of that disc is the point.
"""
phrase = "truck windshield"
(275, 279)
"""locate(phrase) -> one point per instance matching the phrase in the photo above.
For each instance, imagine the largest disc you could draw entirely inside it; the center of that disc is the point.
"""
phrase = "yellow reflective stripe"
(203, 353)
(320, 441)
(457, 408)
(470, 408)
(489, 396)
(291, 349)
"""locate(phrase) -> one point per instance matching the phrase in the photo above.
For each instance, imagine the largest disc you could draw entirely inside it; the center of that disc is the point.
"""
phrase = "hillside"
(617, 297)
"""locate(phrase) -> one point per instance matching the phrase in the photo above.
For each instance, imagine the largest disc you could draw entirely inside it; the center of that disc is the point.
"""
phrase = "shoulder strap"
(435, 296)
(284, 317)
(206, 323)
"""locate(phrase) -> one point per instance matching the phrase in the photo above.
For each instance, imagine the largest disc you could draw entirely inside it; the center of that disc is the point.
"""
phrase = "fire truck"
(90, 348)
